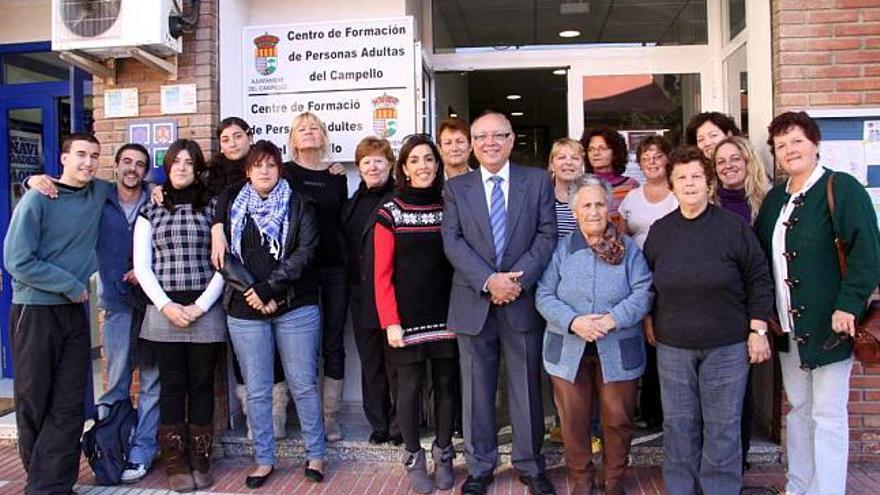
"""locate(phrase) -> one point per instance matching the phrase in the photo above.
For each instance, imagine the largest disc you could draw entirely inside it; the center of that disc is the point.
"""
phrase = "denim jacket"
(577, 282)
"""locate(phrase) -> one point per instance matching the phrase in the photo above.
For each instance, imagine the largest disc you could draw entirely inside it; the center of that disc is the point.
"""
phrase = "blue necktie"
(498, 218)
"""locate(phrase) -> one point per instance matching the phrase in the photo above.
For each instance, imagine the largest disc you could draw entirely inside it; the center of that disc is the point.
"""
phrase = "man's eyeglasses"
(495, 136)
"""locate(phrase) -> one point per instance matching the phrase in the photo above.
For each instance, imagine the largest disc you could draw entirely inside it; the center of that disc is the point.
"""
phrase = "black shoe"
(396, 440)
(379, 437)
(477, 485)
(258, 481)
(314, 474)
(538, 484)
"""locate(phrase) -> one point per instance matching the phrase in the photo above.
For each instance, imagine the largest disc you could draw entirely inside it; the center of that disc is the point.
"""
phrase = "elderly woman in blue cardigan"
(594, 294)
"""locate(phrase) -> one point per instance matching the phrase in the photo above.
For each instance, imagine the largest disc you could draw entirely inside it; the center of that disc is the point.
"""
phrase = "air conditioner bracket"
(167, 65)
(106, 70)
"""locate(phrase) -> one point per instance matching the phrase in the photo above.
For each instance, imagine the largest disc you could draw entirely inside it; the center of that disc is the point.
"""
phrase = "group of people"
(456, 270)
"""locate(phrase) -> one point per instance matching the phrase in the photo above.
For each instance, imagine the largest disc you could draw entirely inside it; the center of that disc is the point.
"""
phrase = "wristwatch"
(760, 331)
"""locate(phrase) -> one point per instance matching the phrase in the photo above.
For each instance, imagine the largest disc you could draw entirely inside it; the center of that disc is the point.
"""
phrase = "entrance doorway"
(41, 102)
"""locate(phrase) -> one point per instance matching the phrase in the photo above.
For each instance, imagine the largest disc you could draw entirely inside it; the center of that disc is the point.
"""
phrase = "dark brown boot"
(171, 443)
(201, 438)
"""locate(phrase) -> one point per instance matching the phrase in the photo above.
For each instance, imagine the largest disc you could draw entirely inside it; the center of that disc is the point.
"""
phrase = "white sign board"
(356, 76)
(120, 103)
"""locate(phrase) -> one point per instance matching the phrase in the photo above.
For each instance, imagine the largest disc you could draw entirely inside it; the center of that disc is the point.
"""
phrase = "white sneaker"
(133, 473)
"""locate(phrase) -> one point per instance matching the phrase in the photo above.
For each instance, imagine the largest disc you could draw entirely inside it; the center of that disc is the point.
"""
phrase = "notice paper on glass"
(872, 131)
(178, 98)
(120, 103)
(845, 156)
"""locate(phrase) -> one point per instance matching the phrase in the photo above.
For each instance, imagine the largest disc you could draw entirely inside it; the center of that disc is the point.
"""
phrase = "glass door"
(29, 140)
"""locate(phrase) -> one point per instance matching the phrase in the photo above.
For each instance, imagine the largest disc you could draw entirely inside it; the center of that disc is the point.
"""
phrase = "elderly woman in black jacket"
(374, 159)
(272, 300)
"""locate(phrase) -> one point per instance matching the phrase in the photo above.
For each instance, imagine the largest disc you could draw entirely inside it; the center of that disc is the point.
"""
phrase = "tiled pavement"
(380, 479)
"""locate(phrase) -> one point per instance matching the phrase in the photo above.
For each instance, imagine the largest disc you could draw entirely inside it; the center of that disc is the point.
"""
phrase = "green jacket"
(814, 276)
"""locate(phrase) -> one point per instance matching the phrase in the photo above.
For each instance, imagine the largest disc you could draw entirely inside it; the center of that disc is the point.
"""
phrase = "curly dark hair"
(409, 143)
(613, 139)
(658, 141)
(686, 154)
(785, 121)
(722, 121)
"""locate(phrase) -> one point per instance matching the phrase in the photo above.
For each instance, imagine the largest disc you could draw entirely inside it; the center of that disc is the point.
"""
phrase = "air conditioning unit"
(110, 28)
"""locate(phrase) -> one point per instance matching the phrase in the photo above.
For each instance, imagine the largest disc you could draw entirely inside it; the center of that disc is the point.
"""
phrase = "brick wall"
(197, 64)
(826, 53)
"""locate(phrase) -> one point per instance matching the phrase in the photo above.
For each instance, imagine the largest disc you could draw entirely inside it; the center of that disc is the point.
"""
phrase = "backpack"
(106, 444)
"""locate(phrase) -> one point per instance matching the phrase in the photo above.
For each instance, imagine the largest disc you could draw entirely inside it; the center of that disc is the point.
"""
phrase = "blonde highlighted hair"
(562, 143)
(308, 117)
(757, 181)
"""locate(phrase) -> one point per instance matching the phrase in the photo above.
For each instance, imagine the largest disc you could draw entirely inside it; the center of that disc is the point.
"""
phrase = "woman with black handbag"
(818, 305)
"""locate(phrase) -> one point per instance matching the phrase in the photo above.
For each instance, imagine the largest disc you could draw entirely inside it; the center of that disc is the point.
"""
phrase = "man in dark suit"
(499, 231)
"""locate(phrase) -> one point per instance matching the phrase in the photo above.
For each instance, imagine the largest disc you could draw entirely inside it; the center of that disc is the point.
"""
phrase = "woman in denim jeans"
(713, 296)
(272, 299)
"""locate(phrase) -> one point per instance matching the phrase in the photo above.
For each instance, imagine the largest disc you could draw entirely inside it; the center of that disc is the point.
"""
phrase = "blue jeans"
(297, 334)
(702, 392)
(117, 341)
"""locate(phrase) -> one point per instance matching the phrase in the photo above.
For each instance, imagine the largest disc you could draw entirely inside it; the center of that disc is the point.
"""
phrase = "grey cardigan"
(577, 282)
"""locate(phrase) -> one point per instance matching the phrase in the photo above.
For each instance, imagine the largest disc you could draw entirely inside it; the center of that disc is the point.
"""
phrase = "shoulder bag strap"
(838, 242)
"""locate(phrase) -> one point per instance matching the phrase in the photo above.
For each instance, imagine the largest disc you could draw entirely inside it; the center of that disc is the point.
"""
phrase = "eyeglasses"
(496, 137)
(598, 149)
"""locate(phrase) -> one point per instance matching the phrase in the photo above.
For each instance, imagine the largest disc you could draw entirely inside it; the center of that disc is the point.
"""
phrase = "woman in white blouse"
(183, 327)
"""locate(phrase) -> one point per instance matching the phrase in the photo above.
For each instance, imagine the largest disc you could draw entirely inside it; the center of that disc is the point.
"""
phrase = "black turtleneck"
(362, 207)
(329, 193)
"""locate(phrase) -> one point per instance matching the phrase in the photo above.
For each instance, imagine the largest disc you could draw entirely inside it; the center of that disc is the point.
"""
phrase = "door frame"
(43, 95)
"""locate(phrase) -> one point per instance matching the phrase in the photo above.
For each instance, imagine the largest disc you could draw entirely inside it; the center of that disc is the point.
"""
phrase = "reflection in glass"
(25, 138)
(505, 24)
(22, 68)
(639, 105)
(737, 14)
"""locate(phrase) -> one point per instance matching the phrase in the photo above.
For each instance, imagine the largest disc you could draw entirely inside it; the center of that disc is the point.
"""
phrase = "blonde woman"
(311, 175)
(566, 166)
(742, 178)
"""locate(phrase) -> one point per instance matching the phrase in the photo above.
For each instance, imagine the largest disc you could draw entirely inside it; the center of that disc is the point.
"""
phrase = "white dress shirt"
(488, 185)
(780, 264)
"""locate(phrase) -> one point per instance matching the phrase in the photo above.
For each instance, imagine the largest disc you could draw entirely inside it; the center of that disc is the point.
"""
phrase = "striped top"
(565, 222)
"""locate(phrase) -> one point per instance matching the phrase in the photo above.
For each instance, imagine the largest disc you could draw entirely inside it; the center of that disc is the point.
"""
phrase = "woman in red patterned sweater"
(412, 283)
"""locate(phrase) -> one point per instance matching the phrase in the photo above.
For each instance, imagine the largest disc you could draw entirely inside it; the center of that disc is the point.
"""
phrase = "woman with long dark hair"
(412, 282)
(182, 328)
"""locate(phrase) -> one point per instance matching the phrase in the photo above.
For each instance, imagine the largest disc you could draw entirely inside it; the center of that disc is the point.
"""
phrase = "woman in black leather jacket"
(271, 300)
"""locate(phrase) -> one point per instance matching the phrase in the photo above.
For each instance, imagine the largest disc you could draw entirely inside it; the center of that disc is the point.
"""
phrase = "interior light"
(516, 114)
(569, 34)
(560, 72)
(514, 97)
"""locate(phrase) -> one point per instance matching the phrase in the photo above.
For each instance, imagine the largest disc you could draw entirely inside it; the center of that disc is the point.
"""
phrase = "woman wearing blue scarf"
(272, 299)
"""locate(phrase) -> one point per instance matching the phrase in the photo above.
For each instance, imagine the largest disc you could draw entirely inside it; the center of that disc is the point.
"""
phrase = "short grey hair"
(585, 181)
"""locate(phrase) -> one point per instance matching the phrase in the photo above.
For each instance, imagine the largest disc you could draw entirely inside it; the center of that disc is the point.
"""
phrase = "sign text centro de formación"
(357, 76)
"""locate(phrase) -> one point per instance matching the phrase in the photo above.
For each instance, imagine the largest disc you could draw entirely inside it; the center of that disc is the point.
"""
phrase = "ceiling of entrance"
(511, 23)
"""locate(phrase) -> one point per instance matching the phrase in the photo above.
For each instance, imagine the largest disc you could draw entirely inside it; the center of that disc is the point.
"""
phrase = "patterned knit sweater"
(412, 275)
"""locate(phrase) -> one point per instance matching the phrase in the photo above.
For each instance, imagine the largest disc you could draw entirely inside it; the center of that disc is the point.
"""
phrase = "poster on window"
(357, 76)
(25, 154)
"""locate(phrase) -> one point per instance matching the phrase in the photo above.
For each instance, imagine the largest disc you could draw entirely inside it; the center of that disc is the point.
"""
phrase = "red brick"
(791, 17)
(871, 396)
(859, 57)
(823, 16)
(848, 4)
(871, 14)
(835, 98)
(792, 72)
(806, 58)
(856, 29)
(872, 98)
(835, 44)
(793, 100)
(787, 31)
(865, 381)
(805, 4)
(806, 85)
(833, 71)
(870, 370)
(860, 84)
(855, 395)
(865, 407)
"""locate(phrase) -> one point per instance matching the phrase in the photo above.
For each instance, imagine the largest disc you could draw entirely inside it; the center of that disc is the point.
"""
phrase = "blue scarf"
(269, 215)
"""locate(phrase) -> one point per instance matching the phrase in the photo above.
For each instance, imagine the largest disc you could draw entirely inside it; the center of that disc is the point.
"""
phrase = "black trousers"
(378, 377)
(50, 349)
(410, 382)
(186, 376)
(334, 303)
(649, 403)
